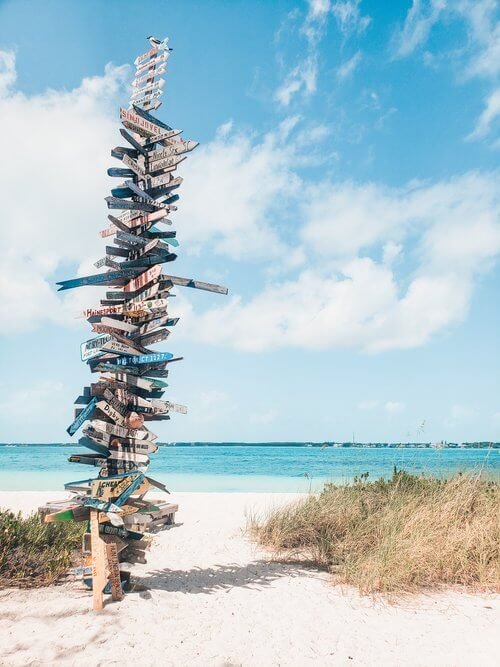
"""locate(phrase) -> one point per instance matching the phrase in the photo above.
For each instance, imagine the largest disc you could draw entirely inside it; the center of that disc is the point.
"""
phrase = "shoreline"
(210, 596)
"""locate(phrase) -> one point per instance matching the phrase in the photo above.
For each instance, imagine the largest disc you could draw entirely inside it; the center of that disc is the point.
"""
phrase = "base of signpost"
(98, 548)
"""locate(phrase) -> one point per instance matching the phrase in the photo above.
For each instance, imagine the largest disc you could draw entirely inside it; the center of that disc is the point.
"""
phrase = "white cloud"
(477, 56)
(488, 116)
(301, 79)
(256, 179)
(7, 71)
(421, 17)
(349, 17)
(349, 299)
(393, 407)
(347, 69)
(54, 206)
(318, 8)
(353, 293)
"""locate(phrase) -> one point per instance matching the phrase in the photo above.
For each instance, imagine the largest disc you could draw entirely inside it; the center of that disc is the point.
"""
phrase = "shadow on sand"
(256, 575)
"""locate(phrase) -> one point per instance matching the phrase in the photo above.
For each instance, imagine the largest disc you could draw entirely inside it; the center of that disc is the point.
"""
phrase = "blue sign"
(84, 414)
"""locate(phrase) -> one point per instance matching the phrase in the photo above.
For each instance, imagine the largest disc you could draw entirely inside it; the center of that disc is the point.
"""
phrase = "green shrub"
(33, 553)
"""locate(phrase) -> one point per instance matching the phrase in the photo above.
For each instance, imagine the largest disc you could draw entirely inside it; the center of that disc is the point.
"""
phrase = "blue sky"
(345, 190)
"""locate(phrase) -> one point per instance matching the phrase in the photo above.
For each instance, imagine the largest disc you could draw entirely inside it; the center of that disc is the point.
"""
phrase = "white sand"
(214, 599)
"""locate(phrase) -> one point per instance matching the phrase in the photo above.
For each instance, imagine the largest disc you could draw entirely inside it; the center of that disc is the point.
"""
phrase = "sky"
(345, 190)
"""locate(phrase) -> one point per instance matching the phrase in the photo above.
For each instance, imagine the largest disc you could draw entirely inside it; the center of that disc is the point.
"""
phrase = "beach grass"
(403, 534)
(33, 553)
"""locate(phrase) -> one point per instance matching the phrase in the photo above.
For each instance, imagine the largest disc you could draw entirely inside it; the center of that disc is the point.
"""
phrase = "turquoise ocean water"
(242, 467)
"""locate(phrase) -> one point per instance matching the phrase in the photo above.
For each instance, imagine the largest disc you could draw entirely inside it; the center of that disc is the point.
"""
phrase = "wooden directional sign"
(109, 488)
(154, 337)
(138, 124)
(121, 431)
(155, 60)
(155, 85)
(155, 358)
(118, 348)
(111, 278)
(104, 310)
(117, 324)
(157, 46)
(134, 143)
(128, 455)
(131, 316)
(117, 203)
(150, 75)
(196, 284)
(91, 348)
(84, 414)
(142, 279)
(133, 166)
(110, 412)
(167, 163)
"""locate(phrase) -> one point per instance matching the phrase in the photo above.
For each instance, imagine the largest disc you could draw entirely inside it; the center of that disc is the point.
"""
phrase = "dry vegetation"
(33, 553)
(396, 535)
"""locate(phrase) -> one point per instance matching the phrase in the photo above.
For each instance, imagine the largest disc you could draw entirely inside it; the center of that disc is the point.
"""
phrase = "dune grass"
(402, 534)
(33, 553)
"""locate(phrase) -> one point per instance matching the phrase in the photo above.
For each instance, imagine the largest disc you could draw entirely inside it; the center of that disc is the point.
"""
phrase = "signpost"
(132, 314)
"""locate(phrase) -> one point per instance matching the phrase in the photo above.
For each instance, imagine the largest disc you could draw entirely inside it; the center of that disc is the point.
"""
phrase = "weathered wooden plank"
(91, 348)
(98, 562)
(84, 414)
(152, 87)
(116, 203)
(196, 284)
(110, 278)
(142, 279)
(110, 412)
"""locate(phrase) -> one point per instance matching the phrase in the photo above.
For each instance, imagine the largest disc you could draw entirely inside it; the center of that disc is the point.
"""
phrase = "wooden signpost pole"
(98, 562)
(114, 571)
(132, 316)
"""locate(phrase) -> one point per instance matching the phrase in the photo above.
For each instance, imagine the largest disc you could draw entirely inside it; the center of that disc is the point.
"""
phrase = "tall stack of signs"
(127, 393)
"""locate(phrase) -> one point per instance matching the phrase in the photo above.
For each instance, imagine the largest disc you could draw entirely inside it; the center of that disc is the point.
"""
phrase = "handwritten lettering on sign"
(156, 357)
(149, 87)
(91, 348)
(110, 412)
(139, 124)
(143, 279)
(156, 59)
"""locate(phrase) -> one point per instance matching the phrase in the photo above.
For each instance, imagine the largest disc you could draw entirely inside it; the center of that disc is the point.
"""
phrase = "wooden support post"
(114, 572)
(98, 562)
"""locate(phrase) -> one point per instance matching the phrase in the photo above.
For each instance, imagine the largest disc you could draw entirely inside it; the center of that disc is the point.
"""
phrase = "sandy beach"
(210, 597)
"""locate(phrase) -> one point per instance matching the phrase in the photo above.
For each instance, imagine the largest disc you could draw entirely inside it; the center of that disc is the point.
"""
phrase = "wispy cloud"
(421, 17)
(301, 79)
(489, 115)
(477, 56)
(347, 68)
(349, 17)
(348, 297)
